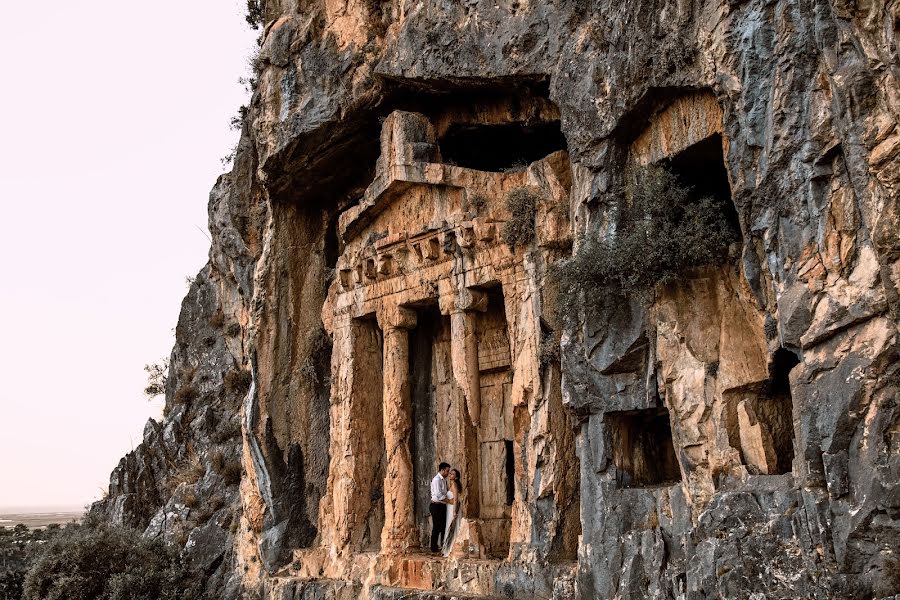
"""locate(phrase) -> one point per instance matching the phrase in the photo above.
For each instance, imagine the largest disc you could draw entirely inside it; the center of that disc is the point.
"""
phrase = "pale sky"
(115, 115)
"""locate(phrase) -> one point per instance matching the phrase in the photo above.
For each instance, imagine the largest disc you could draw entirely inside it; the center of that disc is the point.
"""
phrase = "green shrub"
(522, 204)
(661, 231)
(11, 583)
(108, 563)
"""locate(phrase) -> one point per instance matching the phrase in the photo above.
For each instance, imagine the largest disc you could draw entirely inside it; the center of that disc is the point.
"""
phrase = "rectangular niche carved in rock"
(765, 420)
(495, 432)
(432, 397)
(642, 448)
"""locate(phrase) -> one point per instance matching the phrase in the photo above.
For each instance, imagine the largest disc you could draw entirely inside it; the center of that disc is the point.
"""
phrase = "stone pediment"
(418, 212)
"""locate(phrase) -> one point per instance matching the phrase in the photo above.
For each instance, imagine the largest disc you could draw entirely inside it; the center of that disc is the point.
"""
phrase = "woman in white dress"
(454, 509)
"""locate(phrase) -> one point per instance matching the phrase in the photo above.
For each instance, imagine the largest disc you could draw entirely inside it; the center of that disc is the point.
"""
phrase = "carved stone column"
(464, 347)
(399, 533)
(464, 356)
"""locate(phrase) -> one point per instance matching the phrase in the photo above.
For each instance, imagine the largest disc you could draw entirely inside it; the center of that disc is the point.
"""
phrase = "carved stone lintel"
(471, 300)
(396, 317)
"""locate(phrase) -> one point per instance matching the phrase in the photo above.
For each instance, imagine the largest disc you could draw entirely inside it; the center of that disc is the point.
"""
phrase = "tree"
(157, 378)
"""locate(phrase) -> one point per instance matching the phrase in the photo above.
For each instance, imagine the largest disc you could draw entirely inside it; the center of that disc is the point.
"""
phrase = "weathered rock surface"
(738, 436)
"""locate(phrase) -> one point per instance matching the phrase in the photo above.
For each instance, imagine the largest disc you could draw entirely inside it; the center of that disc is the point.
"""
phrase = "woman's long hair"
(459, 485)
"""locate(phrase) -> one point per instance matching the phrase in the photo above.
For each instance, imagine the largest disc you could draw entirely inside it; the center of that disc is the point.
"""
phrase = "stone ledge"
(395, 593)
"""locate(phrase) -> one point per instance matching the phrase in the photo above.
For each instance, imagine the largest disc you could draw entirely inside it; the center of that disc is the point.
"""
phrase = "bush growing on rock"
(232, 473)
(661, 231)
(186, 394)
(157, 377)
(97, 560)
(238, 381)
(475, 203)
(189, 472)
(519, 230)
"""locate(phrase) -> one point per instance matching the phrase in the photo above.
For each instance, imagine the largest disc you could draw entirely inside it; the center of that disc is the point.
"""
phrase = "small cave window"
(505, 147)
(642, 448)
(510, 472)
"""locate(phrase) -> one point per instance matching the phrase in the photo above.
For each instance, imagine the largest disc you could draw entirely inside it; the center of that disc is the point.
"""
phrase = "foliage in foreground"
(661, 231)
(100, 561)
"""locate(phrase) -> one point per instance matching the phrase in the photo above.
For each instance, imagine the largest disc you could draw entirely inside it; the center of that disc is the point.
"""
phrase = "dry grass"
(519, 230)
(190, 498)
(188, 472)
(238, 381)
(232, 473)
(186, 394)
(217, 461)
(217, 320)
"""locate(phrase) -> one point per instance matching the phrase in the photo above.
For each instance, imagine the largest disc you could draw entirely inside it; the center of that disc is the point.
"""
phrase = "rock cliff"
(383, 293)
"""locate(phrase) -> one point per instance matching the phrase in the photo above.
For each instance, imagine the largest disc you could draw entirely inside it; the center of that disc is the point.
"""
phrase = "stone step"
(302, 588)
(397, 593)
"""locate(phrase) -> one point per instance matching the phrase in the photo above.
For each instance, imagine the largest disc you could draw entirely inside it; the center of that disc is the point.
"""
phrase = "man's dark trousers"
(438, 524)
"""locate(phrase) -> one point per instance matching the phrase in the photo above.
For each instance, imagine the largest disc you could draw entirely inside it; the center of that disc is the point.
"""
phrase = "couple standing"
(446, 490)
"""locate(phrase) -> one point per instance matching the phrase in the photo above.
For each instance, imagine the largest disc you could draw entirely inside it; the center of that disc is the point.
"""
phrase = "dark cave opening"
(500, 147)
(510, 472)
(775, 409)
(429, 325)
(701, 167)
(642, 448)
(332, 243)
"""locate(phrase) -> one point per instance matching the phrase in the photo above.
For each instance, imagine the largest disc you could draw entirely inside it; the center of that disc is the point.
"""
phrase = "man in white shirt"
(438, 508)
